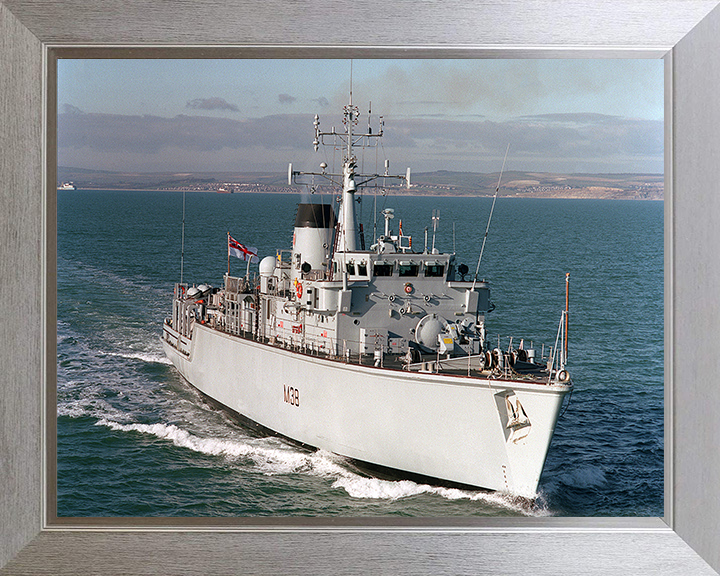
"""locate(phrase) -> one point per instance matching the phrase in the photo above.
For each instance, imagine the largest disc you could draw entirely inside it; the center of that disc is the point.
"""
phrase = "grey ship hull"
(454, 428)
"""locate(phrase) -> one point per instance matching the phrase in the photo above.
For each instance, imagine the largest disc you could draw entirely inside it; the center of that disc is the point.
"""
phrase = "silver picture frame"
(686, 33)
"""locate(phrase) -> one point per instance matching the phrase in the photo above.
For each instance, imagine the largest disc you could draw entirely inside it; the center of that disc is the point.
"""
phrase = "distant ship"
(67, 186)
(378, 353)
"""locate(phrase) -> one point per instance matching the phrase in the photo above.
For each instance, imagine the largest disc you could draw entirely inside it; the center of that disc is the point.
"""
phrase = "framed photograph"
(261, 544)
(580, 196)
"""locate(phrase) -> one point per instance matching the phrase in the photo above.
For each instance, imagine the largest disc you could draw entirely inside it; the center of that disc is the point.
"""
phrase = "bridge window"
(434, 270)
(383, 269)
(408, 269)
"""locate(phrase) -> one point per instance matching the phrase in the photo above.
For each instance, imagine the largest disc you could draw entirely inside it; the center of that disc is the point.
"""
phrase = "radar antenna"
(349, 178)
(435, 222)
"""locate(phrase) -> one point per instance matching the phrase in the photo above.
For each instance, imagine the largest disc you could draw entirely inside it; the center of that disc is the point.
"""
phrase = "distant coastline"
(515, 184)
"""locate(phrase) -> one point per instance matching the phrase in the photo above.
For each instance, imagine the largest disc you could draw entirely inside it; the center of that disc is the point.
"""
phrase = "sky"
(558, 115)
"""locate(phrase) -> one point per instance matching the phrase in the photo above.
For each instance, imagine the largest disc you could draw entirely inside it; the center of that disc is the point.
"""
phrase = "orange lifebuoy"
(408, 288)
(298, 290)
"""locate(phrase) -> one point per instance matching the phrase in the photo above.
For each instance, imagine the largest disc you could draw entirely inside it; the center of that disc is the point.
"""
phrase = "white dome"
(267, 266)
(429, 333)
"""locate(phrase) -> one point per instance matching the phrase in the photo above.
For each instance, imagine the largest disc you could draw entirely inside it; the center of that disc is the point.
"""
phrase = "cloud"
(506, 87)
(150, 134)
(435, 87)
(211, 104)
(322, 101)
(572, 117)
(570, 139)
(547, 142)
(286, 99)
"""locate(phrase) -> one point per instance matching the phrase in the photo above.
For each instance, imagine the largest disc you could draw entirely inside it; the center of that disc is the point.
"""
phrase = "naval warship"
(376, 353)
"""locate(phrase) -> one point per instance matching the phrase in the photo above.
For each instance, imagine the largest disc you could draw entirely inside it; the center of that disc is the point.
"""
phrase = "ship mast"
(349, 179)
(348, 223)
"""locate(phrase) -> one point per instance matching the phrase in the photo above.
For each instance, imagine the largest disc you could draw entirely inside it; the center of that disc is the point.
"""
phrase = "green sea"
(134, 439)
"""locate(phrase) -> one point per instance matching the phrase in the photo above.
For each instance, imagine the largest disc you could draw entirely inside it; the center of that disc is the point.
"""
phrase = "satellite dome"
(267, 266)
(428, 329)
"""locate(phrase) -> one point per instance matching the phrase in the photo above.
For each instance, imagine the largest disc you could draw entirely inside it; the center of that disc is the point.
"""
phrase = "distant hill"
(543, 184)
(441, 182)
(103, 179)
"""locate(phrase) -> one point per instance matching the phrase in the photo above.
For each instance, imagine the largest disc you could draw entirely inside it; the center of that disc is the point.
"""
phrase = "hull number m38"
(291, 395)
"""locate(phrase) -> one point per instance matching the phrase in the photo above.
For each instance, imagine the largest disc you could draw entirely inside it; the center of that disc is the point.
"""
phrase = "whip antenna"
(487, 229)
(182, 245)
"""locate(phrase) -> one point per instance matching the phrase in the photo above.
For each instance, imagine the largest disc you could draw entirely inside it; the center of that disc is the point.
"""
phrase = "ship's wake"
(273, 456)
(152, 358)
(122, 385)
(375, 488)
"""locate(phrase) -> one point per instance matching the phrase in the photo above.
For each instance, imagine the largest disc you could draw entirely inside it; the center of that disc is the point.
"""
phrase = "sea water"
(134, 439)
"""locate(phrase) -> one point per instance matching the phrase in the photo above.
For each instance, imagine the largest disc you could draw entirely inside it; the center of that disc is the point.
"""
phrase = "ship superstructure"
(375, 352)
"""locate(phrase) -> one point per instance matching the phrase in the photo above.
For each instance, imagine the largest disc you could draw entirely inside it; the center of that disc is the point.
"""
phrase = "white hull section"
(448, 427)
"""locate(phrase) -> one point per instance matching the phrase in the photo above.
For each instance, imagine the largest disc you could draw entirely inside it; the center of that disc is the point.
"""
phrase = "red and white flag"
(241, 251)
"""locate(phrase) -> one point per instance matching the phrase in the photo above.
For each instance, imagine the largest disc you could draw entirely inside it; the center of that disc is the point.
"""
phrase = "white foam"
(88, 406)
(73, 409)
(273, 457)
(272, 460)
(150, 358)
(375, 488)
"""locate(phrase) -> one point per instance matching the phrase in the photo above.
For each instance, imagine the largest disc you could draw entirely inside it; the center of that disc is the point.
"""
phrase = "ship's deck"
(430, 363)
